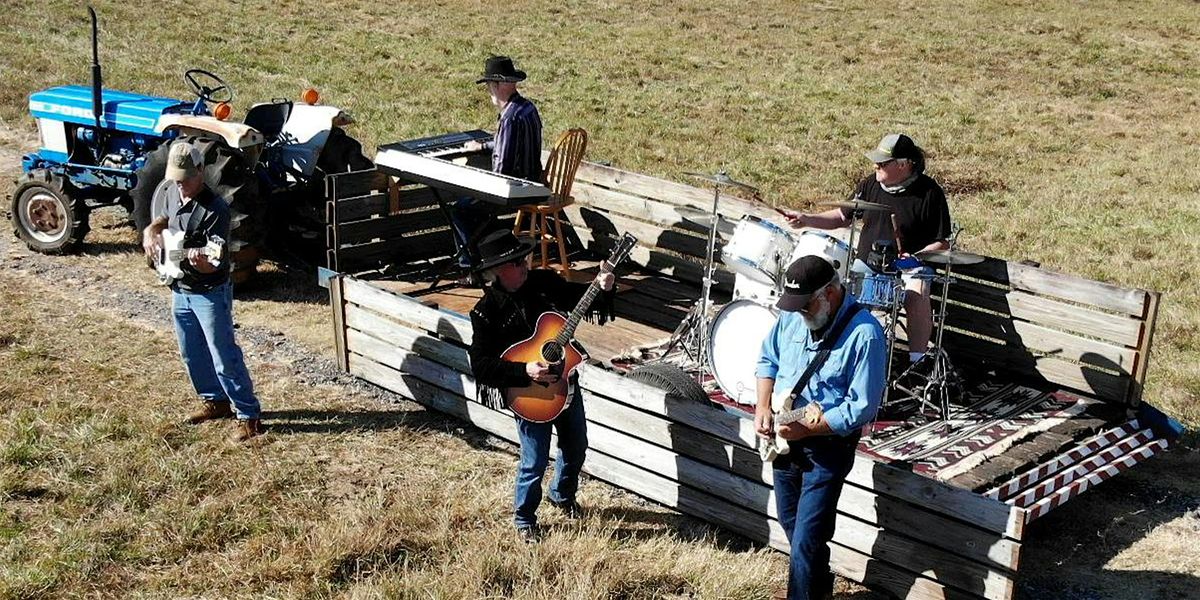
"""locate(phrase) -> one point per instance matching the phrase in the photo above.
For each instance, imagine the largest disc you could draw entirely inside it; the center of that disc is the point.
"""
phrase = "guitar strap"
(824, 350)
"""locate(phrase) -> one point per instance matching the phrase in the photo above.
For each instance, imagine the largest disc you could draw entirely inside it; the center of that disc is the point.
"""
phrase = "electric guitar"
(781, 405)
(170, 257)
(552, 343)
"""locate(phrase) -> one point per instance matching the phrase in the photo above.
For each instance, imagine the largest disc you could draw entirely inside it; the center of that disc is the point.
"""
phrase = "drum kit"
(725, 342)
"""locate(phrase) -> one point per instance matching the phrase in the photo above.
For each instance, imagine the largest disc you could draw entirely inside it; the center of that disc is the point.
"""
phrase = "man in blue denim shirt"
(847, 388)
(202, 300)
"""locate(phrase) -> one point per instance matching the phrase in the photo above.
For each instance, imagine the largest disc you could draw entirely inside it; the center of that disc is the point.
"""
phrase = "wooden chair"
(559, 175)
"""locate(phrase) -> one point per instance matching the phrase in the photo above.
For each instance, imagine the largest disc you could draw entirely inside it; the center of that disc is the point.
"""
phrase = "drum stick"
(896, 232)
(780, 212)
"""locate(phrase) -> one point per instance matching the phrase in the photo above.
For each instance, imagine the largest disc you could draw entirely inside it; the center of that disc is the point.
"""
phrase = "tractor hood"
(123, 111)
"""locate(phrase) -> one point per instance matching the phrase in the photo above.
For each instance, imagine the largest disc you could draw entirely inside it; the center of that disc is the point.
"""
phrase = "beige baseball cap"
(183, 161)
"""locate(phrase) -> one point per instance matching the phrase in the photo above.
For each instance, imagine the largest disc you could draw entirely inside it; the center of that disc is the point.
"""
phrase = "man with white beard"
(830, 355)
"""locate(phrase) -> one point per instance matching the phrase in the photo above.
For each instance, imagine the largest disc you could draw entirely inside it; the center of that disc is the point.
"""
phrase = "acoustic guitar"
(552, 343)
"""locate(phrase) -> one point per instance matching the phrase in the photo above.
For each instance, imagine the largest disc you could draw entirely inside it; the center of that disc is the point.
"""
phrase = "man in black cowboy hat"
(513, 299)
(517, 145)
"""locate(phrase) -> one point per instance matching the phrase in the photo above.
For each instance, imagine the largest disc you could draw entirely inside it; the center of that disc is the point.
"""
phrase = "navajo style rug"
(995, 417)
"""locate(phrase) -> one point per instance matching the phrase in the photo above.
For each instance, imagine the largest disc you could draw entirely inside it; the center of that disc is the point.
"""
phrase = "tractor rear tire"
(46, 215)
(674, 380)
(229, 175)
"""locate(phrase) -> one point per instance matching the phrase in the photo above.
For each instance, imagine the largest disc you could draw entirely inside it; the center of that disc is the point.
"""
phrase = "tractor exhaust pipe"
(96, 75)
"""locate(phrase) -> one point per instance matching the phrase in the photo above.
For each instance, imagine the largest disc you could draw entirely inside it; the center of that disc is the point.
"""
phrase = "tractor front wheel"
(46, 216)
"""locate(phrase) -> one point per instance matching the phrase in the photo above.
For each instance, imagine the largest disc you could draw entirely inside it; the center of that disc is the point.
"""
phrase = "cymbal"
(949, 257)
(722, 178)
(858, 205)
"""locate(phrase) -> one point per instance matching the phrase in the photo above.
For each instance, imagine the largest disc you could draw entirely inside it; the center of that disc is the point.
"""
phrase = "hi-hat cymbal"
(858, 205)
(949, 257)
(722, 178)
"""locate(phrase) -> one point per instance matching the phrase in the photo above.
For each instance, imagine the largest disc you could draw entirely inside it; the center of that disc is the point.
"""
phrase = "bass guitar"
(552, 343)
(774, 446)
(170, 257)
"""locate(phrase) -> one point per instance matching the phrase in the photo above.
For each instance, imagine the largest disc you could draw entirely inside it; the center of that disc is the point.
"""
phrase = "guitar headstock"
(621, 252)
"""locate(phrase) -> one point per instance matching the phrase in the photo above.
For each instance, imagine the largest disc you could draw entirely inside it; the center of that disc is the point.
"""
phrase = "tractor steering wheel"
(197, 79)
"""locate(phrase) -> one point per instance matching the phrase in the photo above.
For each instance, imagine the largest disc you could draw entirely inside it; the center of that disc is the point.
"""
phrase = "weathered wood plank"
(1021, 334)
(1025, 366)
(654, 486)
(731, 207)
(652, 236)
(1118, 329)
(1059, 285)
(382, 203)
(447, 325)
(986, 513)
(337, 302)
(687, 269)
(1143, 362)
(432, 244)
(389, 227)
(663, 214)
(354, 183)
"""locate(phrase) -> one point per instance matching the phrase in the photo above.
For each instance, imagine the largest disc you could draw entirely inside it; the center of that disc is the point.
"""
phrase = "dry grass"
(1064, 131)
(101, 491)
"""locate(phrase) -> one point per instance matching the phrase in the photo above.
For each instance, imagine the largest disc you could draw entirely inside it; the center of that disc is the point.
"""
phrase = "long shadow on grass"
(289, 422)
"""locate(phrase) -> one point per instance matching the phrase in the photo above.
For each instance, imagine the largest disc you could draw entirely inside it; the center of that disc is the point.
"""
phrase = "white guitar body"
(781, 406)
(169, 262)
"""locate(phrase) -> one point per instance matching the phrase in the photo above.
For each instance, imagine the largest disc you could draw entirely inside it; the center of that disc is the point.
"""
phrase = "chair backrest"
(564, 161)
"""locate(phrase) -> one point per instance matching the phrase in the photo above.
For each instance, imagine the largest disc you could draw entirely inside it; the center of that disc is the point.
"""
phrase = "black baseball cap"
(893, 146)
(804, 276)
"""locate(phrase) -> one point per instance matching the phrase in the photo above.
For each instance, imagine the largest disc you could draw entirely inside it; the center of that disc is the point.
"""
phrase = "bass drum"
(734, 343)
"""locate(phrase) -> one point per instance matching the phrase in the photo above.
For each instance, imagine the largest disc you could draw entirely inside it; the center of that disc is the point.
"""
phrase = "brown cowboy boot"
(246, 429)
(210, 411)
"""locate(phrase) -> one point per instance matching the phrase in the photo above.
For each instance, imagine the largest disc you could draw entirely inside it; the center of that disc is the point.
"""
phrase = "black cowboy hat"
(500, 68)
(501, 246)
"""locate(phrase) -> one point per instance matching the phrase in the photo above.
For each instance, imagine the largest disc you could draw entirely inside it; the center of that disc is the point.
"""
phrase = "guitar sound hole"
(552, 352)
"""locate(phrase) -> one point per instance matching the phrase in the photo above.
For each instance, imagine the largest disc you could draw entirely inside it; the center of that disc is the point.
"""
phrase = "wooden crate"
(372, 221)
(897, 531)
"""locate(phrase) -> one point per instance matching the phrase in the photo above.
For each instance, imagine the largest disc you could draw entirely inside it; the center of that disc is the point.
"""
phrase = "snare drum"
(758, 249)
(880, 291)
(734, 343)
(816, 243)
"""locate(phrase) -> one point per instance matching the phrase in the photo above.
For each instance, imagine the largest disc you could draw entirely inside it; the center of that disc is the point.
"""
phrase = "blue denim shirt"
(849, 386)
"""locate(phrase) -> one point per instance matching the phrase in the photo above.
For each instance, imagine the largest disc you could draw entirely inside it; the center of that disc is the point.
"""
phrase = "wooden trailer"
(946, 522)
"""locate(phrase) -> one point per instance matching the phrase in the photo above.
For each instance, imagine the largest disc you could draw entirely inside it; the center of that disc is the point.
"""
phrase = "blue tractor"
(105, 147)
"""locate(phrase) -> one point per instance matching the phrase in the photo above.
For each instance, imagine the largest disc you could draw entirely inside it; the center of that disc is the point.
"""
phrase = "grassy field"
(1063, 132)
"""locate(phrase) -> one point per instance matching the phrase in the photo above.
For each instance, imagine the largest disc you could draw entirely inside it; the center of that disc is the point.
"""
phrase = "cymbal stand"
(710, 269)
(932, 391)
(855, 215)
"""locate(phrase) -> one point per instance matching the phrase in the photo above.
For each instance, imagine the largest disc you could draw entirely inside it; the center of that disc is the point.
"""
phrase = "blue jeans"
(204, 328)
(571, 426)
(470, 219)
(808, 482)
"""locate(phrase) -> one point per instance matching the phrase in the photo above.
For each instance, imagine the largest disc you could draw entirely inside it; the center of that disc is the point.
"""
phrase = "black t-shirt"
(921, 211)
(205, 218)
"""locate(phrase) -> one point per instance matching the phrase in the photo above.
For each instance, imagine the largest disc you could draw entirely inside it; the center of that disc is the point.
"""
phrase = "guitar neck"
(577, 314)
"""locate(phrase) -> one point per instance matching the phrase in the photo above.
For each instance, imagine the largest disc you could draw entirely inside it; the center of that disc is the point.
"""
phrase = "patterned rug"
(995, 417)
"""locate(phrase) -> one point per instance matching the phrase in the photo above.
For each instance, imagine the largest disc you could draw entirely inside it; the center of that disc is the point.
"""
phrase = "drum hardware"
(719, 180)
(934, 390)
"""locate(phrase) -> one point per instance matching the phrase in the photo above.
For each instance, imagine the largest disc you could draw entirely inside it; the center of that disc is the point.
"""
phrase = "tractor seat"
(269, 118)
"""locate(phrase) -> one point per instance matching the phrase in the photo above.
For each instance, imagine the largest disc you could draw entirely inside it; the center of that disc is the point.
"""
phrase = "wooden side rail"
(1039, 325)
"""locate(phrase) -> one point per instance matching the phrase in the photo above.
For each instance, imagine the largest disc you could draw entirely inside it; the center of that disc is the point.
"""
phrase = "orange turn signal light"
(310, 96)
(222, 111)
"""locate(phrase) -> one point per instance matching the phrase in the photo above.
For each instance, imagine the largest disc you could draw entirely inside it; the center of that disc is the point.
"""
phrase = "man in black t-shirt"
(919, 206)
(202, 299)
